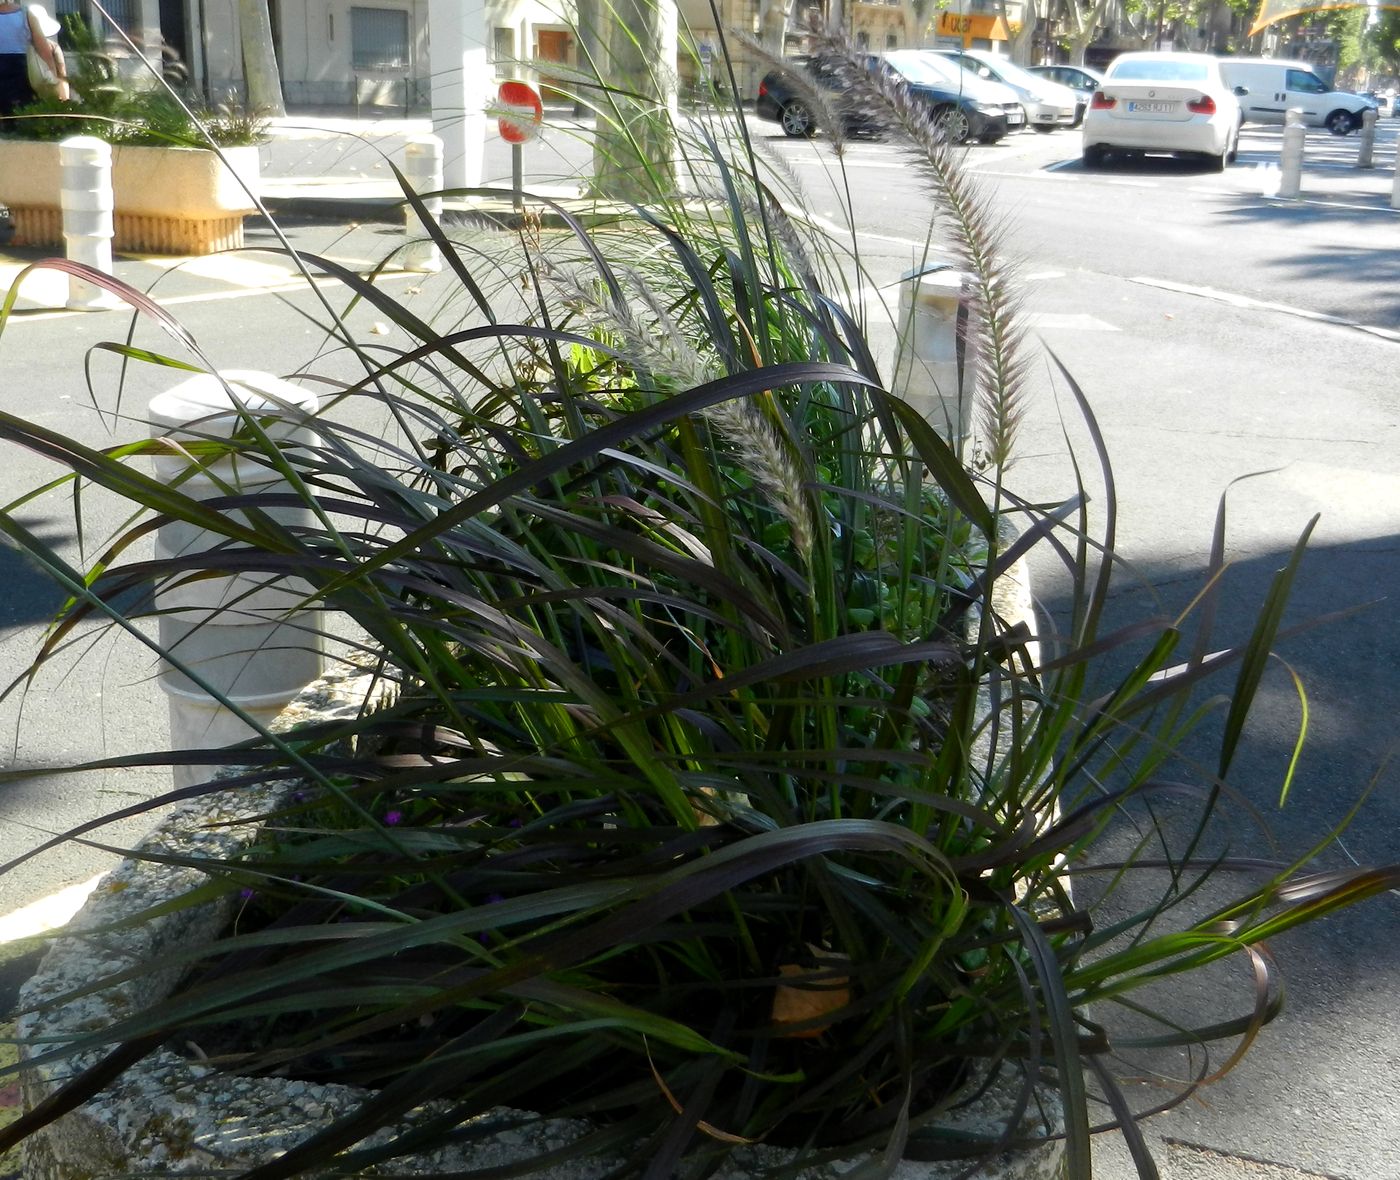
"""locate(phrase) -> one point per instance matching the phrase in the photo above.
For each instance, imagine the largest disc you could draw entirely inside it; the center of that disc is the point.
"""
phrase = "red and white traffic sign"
(521, 112)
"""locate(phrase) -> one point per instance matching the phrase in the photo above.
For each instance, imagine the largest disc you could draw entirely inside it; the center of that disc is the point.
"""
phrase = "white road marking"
(48, 913)
(26, 316)
(1244, 301)
(1069, 321)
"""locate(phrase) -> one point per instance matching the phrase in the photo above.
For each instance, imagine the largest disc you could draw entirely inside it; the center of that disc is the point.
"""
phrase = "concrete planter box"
(169, 200)
(170, 1115)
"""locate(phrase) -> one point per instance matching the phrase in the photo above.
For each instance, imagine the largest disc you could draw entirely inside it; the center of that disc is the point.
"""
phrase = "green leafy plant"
(112, 108)
(720, 798)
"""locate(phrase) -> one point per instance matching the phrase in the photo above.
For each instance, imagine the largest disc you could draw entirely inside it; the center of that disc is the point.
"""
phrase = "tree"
(632, 148)
(1082, 23)
(260, 70)
(1384, 38)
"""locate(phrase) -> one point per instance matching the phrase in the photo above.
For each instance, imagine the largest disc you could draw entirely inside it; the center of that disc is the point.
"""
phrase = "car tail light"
(1205, 105)
(1102, 102)
(762, 89)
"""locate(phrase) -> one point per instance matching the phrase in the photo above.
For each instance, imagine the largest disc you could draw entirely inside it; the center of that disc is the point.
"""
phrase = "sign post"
(521, 116)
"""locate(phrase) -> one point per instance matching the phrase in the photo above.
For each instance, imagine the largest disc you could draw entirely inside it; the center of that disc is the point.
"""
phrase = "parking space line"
(1244, 301)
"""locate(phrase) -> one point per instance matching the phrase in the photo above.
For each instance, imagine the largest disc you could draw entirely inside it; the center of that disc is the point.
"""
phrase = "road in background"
(1218, 334)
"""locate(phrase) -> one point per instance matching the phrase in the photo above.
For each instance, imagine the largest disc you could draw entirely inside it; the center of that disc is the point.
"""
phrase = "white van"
(1274, 85)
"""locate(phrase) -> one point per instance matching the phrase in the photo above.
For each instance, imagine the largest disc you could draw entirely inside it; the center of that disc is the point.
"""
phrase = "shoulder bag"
(42, 79)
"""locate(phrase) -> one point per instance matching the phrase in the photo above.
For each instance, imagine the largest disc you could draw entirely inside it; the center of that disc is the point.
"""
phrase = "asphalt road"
(1225, 340)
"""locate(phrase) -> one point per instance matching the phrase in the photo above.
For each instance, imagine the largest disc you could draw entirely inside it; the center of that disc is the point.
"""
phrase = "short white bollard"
(422, 166)
(1366, 150)
(87, 203)
(1395, 186)
(244, 635)
(934, 370)
(1291, 157)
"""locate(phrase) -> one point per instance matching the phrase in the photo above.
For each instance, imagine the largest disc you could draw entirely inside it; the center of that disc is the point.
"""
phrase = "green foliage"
(1384, 35)
(720, 793)
(117, 110)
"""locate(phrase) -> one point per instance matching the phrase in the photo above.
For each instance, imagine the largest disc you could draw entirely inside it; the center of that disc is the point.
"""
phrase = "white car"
(1171, 103)
(1048, 104)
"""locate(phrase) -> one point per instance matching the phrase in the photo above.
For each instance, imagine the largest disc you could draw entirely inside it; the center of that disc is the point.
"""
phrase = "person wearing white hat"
(19, 28)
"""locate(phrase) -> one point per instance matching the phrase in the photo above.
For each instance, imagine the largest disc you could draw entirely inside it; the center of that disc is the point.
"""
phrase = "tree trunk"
(592, 48)
(259, 61)
(633, 151)
(773, 24)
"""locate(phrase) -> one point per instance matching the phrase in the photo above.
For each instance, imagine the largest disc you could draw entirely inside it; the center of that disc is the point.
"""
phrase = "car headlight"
(987, 108)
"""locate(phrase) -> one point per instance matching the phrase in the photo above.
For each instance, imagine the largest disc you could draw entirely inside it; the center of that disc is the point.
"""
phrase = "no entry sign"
(521, 112)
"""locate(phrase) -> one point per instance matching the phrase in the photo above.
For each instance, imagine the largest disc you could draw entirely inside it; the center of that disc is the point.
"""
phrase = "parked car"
(938, 73)
(965, 109)
(1173, 103)
(1081, 79)
(1273, 85)
(781, 100)
(1048, 104)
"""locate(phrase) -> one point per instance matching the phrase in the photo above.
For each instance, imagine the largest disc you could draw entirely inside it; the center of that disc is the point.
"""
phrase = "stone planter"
(171, 1115)
(169, 200)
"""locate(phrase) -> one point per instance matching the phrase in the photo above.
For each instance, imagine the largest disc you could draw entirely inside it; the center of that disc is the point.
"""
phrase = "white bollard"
(244, 635)
(1366, 150)
(1395, 185)
(87, 203)
(934, 370)
(1291, 157)
(422, 166)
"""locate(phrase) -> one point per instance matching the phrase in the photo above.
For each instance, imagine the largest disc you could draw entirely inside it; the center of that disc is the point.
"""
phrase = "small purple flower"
(392, 817)
(515, 823)
(299, 796)
(495, 898)
(247, 893)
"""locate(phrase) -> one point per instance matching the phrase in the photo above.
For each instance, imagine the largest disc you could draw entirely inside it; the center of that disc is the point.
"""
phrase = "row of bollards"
(89, 207)
(1291, 155)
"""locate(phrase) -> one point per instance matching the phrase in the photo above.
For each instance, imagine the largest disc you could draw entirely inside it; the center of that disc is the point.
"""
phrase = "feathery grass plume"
(993, 331)
(819, 101)
(656, 344)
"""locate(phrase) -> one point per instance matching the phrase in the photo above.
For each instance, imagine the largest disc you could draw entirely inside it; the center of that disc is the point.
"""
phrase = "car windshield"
(1009, 71)
(1159, 69)
(917, 69)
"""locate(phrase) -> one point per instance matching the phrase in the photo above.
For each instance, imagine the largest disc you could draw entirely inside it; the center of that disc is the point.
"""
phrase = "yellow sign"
(971, 26)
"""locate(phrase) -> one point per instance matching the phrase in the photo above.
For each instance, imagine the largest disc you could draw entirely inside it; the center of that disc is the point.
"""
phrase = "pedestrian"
(21, 27)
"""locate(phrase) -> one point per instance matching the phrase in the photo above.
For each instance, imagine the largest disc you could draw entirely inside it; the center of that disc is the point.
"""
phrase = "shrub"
(718, 798)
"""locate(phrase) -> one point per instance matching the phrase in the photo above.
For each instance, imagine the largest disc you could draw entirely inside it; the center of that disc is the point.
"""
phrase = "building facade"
(359, 56)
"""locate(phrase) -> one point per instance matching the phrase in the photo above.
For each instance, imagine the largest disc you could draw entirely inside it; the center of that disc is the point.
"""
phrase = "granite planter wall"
(169, 200)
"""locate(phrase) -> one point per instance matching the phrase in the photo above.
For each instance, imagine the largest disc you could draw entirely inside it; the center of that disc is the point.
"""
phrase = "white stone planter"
(169, 200)
(169, 1115)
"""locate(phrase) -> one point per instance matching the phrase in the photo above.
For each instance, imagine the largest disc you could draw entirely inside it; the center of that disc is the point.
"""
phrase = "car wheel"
(1232, 152)
(797, 121)
(1342, 123)
(1095, 155)
(954, 123)
(1045, 128)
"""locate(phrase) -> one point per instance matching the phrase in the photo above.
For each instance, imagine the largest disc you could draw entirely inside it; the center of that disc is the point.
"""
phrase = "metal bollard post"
(422, 165)
(933, 371)
(244, 635)
(1367, 147)
(1291, 157)
(86, 200)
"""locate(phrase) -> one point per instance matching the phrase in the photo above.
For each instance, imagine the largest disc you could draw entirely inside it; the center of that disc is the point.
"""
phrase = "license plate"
(1015, 118)
(1151, 108)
